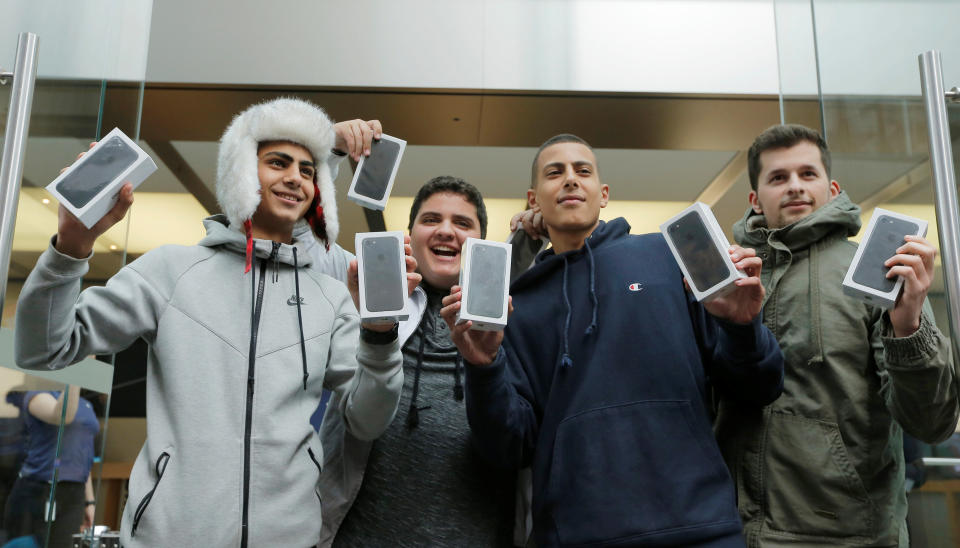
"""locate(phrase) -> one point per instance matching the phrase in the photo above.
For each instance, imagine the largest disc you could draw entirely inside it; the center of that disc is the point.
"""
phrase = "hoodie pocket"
(159, 468)
(812, 486)
(316, 488)
(638, 470)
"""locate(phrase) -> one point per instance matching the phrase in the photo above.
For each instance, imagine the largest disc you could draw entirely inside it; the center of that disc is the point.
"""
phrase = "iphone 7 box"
(866, 278)
(383, 276)
(701, 249)
(484, 284)
(375, 173)
(90, 187)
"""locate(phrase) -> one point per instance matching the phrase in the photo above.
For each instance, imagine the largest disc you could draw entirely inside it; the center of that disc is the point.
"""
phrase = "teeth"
(444, 250)
(288, 196)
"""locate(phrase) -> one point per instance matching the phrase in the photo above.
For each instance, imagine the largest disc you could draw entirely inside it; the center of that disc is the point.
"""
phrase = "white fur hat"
(283, 119)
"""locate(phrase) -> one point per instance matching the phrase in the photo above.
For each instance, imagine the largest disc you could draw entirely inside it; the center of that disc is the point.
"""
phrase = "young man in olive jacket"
(823, 464)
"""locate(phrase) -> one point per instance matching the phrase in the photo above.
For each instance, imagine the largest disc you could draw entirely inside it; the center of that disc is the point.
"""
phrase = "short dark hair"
(455, 185)
(783, 136)
(556, 139)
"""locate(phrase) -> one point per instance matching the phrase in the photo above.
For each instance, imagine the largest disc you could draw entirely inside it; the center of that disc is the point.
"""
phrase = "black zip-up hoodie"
(603, 384)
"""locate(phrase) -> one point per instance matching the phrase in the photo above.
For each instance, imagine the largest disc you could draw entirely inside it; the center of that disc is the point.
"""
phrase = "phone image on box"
(487, 267)
(99, 168)
(699, 254)
(383, 281)
(374, 173)
(887, 236)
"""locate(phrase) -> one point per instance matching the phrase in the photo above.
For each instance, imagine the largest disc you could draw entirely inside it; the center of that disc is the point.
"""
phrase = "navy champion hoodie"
(602, 385)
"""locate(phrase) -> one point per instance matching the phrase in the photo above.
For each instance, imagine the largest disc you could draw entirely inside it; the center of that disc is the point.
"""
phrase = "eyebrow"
(579, 163)
(455, 216)
(287, 157)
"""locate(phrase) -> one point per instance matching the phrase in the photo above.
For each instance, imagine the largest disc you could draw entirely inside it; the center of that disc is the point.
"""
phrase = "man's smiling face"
(792, 184)
(444, 222)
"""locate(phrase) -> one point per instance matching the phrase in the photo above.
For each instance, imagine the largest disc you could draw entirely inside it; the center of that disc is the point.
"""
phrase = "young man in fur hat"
(243, 337)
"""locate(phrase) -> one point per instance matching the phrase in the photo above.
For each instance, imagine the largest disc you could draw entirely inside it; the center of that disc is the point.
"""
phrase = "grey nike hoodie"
(236, 366)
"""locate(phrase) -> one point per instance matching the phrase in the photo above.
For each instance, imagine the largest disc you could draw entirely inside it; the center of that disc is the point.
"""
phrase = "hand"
(913, 262)
(476, 347)
(743, 303)
(413, 280)
(355, 136)
(88, 512)
(532, 222)
(75, 239)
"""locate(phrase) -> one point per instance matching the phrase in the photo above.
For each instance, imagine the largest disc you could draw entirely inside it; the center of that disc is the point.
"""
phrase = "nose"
(794, 185)
(571, 177)
(445, 228)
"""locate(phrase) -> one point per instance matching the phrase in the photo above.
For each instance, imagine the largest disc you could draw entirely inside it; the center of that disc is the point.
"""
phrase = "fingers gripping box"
(866, 279)
(90, 187)
(700, 248)
(382, 270)
(485, 284)
(375, 174)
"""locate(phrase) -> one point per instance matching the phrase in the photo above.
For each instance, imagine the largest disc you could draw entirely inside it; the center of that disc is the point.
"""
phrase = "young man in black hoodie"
(603, 377)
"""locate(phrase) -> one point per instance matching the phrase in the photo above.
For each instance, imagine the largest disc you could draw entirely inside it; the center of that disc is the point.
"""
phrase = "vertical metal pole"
(14, 145)
(945, 185)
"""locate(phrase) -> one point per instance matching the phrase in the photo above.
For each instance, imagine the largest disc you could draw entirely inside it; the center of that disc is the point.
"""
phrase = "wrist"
(77, 250)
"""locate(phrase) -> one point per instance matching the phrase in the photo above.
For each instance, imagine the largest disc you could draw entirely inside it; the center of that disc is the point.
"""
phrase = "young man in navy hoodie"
(602, 380)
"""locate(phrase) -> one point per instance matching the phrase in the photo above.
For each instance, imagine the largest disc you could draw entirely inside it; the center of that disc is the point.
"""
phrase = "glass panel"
(873, 118)
(91, 66)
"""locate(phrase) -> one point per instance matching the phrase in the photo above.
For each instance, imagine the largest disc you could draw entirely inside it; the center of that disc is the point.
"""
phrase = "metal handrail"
(945, 185)
(14, 146)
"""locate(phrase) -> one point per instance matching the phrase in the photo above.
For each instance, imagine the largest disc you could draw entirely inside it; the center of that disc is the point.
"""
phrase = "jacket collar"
(839, 218)
(219, 234)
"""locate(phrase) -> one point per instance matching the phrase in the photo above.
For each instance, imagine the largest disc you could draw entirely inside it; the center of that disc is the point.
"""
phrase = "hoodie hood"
(548, 261)
(284, 119)
(839, 216)
(221, 234)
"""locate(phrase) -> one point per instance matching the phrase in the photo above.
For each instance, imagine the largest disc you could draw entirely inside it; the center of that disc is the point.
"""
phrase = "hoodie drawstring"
(248, 231)
(565, 359)
(303, 344)
(457, 385)
(413, 415)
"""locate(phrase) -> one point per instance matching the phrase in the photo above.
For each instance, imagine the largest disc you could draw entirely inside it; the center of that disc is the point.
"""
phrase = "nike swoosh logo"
(292, 301)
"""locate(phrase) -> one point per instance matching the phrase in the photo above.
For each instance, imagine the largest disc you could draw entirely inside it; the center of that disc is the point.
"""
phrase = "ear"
(755, 202)
(604, 195)
(532, 198)
(834, 189)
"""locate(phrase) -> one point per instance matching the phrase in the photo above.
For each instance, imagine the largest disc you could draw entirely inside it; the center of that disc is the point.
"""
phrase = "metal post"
(14, 145)
(945, 185)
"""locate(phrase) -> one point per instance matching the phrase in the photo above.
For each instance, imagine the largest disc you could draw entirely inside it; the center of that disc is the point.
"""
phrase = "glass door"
(88, 61)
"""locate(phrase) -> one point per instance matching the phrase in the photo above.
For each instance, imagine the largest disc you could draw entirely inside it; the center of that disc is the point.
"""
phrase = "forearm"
(747, 363)
(373, 394)
(502, 421)
(73, 400)
(921, 387)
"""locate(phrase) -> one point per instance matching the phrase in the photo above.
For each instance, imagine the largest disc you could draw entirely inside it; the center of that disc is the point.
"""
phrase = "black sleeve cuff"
(370, 336)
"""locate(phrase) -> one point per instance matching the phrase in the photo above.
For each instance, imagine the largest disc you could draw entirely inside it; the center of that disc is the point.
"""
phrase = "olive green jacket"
(823, 464)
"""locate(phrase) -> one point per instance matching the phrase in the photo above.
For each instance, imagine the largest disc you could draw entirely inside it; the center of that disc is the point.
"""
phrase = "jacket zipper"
(159, 468)
(251, 370)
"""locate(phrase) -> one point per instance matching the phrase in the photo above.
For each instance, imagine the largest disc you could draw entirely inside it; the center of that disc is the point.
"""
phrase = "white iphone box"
(383, 276)
(866, 278)
(700, 248)
(485, 284)
(375, 173)
(90, 187)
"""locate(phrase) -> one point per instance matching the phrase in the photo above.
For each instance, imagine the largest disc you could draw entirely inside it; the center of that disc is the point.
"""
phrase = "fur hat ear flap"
(284, 119)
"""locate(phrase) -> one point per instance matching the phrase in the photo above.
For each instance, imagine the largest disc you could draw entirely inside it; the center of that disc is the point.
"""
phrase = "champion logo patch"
(635, 286)
(292, 301)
